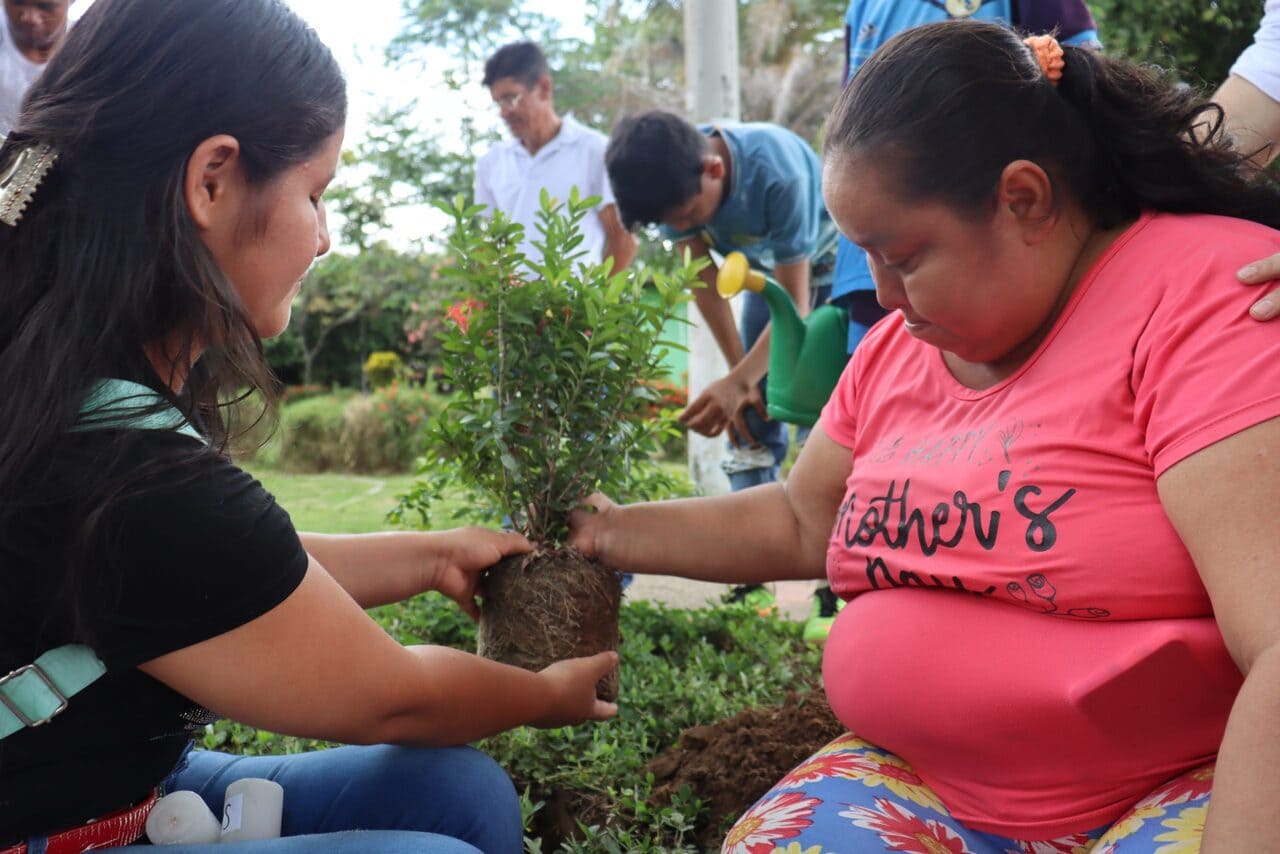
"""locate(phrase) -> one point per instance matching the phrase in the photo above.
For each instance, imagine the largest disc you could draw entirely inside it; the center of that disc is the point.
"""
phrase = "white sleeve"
(1260, 61)
(600, 175)
(483, 195)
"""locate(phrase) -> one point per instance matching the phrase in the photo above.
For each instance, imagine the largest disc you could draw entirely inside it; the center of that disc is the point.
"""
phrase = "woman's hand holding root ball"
(571, 687)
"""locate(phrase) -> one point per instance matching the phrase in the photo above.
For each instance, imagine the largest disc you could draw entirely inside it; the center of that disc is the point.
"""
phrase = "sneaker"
(825, 607)
(754, 596)
(747, 459)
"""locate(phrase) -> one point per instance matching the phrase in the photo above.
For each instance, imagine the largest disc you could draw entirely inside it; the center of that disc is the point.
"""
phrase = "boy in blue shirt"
(753, 188)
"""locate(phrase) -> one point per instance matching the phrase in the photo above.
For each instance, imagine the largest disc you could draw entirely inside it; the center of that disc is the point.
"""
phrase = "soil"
(730, 764)
(548, 606)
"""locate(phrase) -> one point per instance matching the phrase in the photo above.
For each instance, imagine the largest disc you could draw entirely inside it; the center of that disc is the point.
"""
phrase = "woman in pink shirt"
(1045, 481)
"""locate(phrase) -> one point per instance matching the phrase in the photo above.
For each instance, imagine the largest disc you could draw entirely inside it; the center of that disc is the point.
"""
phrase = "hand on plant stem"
(587, 521)
(723, 404)
(572, 686)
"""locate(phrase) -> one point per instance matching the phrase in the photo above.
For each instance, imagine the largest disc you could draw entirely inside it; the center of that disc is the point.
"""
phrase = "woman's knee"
(467, 789)
(1173, 815)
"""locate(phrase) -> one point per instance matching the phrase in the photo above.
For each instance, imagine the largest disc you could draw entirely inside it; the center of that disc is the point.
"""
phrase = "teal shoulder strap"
(35, 693)
(113, 404)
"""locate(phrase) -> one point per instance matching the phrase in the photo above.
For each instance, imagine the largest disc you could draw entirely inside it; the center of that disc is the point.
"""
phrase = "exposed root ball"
(549, 606)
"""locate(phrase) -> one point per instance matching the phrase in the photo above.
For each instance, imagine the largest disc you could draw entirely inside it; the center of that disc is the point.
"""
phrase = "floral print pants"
(852, 797)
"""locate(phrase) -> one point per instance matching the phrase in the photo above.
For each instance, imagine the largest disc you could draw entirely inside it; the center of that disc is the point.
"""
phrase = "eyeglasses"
(508, 102)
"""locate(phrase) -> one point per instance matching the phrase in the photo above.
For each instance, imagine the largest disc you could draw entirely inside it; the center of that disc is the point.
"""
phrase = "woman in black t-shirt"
(161, 201)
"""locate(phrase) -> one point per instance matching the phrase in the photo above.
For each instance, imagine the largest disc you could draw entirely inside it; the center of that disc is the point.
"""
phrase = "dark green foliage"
(1198, 39)
(353, 305)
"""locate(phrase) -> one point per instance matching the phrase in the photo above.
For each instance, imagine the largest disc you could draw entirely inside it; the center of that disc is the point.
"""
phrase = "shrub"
(348, 431)
(549, 362)
(295, 393)
(385, 431)
(1200, 41)
(382, 368)
(311, 433)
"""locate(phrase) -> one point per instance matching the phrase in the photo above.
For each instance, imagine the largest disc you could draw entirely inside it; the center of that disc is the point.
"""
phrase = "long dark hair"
(106, 260)
(947, 106)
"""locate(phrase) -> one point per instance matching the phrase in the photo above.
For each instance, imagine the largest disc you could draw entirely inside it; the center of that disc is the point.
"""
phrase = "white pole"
(711, 80)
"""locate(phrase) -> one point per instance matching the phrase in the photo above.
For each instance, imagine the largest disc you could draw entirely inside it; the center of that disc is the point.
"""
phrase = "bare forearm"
(755, 364)
(1242, 815)
(621, 247)
(462, 698)
(1252, 118)
(374, 569)
(740, 537)
(719, 317)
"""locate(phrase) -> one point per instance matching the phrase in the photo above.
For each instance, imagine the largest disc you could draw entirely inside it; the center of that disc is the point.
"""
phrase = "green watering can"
(806, 357)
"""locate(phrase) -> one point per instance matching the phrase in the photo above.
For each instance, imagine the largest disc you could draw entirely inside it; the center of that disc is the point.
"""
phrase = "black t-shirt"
(188, 552)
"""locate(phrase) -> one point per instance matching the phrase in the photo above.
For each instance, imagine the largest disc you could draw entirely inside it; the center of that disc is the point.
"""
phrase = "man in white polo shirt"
(33, 30)
(548, 152)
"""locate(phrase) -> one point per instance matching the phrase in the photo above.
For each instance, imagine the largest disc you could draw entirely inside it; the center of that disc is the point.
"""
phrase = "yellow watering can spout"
(736, 274)
(806, 356)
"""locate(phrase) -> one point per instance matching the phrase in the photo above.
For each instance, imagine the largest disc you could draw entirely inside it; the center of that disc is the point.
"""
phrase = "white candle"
(182, 818)
(252, 810)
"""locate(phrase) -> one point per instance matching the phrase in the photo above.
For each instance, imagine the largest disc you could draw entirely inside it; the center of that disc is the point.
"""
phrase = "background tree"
(791, 62)
(1198, 39)
(352, 305)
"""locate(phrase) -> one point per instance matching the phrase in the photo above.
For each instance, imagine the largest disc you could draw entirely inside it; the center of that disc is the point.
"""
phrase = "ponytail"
(947, 106)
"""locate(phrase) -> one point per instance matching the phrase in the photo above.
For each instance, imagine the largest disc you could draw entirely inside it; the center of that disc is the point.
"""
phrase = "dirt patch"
(730, 764)
(548, 606)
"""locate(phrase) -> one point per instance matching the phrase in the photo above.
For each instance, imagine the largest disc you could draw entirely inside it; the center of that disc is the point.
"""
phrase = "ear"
(214, 179)
(713, 167)
(1026, 194)
(544, 87)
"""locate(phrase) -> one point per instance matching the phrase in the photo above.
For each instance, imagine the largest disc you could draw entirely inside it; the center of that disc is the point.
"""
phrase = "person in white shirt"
(1250, 101)
(1250, 97)
(33, 30)
(548, 151)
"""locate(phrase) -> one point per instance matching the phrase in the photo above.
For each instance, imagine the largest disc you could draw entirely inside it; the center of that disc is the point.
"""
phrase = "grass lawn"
(341, 503)
(335, 503)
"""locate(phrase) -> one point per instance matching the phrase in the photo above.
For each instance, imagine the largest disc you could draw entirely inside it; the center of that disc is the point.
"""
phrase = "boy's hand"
(721, 404)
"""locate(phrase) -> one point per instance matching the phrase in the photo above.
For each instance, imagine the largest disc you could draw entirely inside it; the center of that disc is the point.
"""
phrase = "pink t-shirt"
(1039, 645)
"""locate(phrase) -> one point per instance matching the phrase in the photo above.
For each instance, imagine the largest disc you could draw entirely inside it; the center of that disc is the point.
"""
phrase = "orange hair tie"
(1048, 54)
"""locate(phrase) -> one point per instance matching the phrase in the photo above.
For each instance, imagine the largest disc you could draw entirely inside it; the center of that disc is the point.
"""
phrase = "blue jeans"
(360, 800)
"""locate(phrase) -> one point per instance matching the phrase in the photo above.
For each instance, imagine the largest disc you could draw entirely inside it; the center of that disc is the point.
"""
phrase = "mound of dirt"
(730, 764)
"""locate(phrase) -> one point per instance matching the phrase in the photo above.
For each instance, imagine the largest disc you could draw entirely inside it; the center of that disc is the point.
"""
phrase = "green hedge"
(351, 432)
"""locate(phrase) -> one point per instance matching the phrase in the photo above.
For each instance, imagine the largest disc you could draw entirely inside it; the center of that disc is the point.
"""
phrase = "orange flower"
(460, 313)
